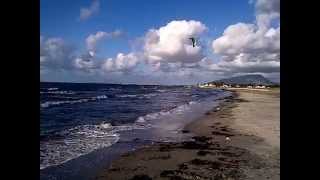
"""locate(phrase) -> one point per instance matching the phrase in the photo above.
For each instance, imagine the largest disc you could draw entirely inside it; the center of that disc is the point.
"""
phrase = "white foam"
(55, 103)
(150, 95)
(192, 102)
(161, 90)
(52, 89)
(158, 115)
(152, 115)
(80, 140)
(163, 113)
(110, 89)
(141, 120)
(105, 125)
(57, 92)
(102, 97)
(84, 139)
(127, 95)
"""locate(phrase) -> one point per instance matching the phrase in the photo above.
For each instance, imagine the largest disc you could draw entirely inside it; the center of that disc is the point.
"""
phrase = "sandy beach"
(238, 140)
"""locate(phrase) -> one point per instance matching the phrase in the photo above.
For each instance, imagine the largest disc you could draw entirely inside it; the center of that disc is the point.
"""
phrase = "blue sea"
(86, 123)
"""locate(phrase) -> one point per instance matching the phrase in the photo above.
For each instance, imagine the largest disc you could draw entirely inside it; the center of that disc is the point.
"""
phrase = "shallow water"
(94, 123)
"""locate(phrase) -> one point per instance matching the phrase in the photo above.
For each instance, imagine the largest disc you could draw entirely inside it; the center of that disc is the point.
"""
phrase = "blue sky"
(60, 19)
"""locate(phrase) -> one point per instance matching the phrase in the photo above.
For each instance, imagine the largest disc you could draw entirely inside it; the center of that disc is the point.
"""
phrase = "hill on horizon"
(254, 79)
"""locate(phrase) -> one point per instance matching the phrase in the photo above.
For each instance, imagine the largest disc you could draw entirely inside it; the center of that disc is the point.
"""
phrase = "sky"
(147, 42)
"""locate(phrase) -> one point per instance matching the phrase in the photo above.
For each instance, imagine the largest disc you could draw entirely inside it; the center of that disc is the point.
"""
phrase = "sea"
(84, 126)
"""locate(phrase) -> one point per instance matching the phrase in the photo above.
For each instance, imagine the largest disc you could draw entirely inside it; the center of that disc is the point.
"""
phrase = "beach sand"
(238, 140)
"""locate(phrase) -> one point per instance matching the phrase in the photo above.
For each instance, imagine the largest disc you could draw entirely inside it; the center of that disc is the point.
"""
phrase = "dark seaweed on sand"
(203, 153)
(201, 138)
(141, 177)
(217, 133)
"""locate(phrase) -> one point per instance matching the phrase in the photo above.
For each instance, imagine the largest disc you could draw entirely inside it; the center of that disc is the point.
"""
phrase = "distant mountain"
(255, 79)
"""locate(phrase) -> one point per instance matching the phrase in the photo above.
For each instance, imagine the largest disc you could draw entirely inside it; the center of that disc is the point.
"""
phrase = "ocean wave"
(52, 89)
(102, 97)
(110, 89)
(140, 96)
(157, 115)
(162, 90)
(126, 95)
(150, 95)
(55, 103)
(80, 140)
(57, 92)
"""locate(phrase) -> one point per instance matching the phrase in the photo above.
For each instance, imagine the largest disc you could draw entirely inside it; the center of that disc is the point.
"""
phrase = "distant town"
(253, 81)
(225, 85)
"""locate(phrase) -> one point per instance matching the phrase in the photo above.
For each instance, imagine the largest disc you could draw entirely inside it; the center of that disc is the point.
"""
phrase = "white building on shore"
(207, 85)
(225, 86)
(260, 87)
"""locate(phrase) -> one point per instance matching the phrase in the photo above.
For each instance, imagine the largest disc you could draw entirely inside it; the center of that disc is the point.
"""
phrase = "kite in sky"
(193, 41)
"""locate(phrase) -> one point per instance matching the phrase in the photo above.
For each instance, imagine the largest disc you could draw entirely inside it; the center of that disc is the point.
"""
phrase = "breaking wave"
(57, 92)
(126, 95)
(56, 103)
(80, 140)
(158, 115)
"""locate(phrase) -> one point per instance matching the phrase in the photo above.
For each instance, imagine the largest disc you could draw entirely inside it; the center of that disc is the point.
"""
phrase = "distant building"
(207, 85)
(260, 87)
(212, 85)
(225, 86)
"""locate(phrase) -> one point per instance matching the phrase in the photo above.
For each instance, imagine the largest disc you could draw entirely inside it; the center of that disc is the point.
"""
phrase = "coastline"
(247, 153)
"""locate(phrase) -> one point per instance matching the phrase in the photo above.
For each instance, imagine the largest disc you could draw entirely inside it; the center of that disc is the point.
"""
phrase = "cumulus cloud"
(247, 39)
(171, 43)
(267, 6)
(86, 62)
(86, 13)
(250, 67)
(122, 63)
(250, 47)
(165, 55)
(55, 53)
(93, 39)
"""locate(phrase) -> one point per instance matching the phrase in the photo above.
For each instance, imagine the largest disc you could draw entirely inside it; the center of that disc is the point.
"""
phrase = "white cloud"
(267, 6)
(246, 38)
(86, 62)
(251, 67)
(55, 53)
(246, 47)
(93, 39)
(167, 55)
(122, 63)
(171, 43)
(266, 11)
(86, 13)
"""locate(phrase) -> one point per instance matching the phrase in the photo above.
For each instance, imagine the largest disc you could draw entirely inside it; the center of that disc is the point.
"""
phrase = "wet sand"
(238, 140)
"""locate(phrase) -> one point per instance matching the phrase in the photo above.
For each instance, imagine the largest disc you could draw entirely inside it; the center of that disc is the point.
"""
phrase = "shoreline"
(222, 147)
(168, 128)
